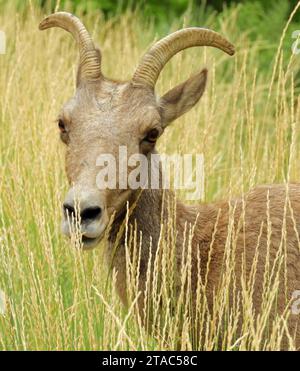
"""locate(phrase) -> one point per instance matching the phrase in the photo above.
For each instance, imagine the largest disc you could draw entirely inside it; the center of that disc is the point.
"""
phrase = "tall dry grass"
(247, 127)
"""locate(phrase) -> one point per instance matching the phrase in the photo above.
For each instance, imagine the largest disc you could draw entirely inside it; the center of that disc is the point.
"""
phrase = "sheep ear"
(182, 98)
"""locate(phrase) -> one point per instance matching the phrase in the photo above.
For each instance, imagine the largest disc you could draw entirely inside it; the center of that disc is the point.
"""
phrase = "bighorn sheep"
(105, 114)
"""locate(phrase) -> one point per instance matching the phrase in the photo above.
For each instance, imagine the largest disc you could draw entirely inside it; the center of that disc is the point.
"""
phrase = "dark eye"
(61, 126)
(152, 136)
(64, 136)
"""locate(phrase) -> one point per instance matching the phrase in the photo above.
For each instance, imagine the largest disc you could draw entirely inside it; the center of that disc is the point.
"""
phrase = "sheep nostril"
(69, 210)
(91, 213)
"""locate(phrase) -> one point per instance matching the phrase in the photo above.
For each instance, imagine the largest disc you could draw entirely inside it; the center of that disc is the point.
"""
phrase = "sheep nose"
(84, 211)
(84, 204)
(90, 213)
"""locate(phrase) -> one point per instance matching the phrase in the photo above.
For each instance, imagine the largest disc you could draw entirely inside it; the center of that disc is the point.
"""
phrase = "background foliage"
(261, 20)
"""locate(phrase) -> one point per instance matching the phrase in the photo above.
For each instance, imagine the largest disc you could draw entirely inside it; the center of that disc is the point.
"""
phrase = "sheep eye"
(61, 126)
(152, 136)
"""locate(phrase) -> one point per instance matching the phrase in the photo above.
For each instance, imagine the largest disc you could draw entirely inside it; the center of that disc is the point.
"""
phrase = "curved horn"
(155, 59)
(90, 57)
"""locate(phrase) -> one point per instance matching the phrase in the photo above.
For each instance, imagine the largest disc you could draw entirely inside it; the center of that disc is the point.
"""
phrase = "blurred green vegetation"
(268, 13)
(256, 20)
(164, 10)
(264, 19)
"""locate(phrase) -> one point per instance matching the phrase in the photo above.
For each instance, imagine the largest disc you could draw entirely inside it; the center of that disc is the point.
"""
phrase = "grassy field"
(247, 127)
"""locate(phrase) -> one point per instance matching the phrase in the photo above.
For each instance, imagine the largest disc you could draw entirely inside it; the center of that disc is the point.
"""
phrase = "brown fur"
(249, 236)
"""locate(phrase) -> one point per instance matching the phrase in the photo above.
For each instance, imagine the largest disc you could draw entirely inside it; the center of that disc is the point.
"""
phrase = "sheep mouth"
(89, 243)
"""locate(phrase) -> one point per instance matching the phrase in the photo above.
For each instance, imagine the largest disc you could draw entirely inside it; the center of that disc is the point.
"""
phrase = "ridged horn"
(90, 57)
(155, 59)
